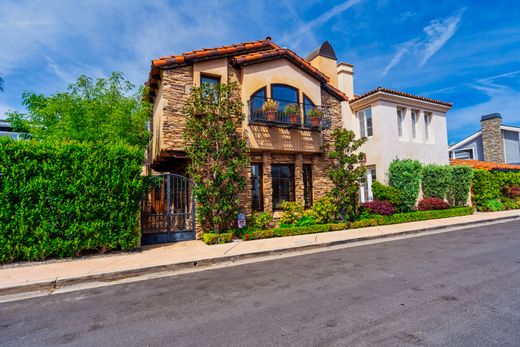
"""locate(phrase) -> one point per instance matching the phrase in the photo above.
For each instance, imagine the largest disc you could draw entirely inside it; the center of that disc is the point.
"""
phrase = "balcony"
(281, 113)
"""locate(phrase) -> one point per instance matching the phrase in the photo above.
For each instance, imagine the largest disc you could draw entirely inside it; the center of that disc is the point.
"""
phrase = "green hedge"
(214, 239)
(378, 220)
(487, 188)
(60, 200)
(460, 185)
(406, 175)
(436, 180)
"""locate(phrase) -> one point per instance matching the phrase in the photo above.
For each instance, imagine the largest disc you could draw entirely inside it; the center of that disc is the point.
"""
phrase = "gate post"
(168, 209)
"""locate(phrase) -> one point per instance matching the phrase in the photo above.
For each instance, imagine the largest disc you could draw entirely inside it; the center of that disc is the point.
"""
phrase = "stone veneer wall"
(177, 85)
(492, 140)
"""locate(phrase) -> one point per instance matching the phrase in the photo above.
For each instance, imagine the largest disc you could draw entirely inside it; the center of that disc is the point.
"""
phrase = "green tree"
(101, 111)
(345, 171)
(218, 154)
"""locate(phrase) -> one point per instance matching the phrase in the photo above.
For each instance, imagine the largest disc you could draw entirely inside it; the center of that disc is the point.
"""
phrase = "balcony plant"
(315, 116)
(270, 108)
(293, 112)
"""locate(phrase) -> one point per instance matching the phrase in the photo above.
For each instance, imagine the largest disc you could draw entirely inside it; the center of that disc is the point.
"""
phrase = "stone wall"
(492, 139)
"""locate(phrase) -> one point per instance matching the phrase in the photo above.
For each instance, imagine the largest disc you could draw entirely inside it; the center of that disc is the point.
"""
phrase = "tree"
(345, 171)
(101, 111)
(218, 154)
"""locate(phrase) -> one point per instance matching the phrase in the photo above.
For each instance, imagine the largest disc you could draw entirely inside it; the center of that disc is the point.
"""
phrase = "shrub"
(436, 180)
(460, 185)
(428, 204)
(363, 223)
(405, 175)
(59, 200)
(388, 193)
(511, 192)
(423, 215)
(318, 228)
(259, 221)
(292, 212)
(216, 239)
(492, 205)
(338, 226)
(325, 210)
(379, 207)
(510, 204)
(486, 187)
(306, 220)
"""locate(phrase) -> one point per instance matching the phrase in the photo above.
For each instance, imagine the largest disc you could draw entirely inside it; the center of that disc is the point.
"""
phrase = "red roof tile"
(485, 165)
(398, 93)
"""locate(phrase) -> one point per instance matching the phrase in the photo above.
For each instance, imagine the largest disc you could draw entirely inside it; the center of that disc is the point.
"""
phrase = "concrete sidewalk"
(182, 255)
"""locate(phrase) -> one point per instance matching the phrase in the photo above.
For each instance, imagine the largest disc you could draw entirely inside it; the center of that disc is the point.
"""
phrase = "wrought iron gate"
(168, 210)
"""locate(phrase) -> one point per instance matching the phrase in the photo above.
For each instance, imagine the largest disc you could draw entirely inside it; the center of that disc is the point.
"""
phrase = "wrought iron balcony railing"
(283, 113)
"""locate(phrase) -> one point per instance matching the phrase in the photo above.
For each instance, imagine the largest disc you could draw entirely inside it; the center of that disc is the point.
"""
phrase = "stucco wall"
(385, 145)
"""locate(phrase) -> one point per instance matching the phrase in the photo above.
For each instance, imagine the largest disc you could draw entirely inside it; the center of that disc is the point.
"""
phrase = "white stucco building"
(397, 125)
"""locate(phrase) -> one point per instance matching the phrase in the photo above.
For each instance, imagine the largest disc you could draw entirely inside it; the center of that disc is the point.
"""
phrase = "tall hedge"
(460, 185)
(488, 186)
(63, 199)
(405, 175)
(436, 180)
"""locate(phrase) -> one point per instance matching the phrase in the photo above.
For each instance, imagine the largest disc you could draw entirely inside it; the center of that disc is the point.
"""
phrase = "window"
(463, 154)
(366, 185)
(283, 184)
(284, 95)
(211, 80)
(307, 185)
(257, 100)
(427, 121)
(307, 105)
(256, 187)
(365, 122)
(415, 117)
(400, 120)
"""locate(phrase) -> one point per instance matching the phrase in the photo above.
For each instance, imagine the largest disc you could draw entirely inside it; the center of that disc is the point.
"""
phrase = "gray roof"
(325, 50)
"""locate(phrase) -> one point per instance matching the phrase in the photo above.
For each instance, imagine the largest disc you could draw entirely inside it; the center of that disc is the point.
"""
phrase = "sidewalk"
(182, 255)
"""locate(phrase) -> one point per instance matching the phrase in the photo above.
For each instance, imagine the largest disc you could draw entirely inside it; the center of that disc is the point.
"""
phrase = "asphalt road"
(457, 288)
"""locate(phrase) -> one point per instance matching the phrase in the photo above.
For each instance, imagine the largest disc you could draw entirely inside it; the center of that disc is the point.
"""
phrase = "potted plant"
(293, 112)
(270, 108)
(315, 116)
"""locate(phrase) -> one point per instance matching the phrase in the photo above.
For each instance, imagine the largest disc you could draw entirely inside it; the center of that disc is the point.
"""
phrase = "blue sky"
(465, 52)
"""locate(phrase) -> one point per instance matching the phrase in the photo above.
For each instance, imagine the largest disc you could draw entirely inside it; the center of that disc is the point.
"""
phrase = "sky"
(464, 52)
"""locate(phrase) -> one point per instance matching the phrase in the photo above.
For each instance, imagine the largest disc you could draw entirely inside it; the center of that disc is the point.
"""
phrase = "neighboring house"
(397, 126)
(7, 130)
(288, 156)
(494, 142)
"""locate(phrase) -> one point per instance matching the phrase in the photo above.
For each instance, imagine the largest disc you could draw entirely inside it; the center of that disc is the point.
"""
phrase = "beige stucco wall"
(280, 71)
(328, 67)
(217, 67)
(385, 145)
(157, 121)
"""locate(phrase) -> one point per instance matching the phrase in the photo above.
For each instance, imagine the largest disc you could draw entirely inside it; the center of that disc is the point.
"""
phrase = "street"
(455, 288)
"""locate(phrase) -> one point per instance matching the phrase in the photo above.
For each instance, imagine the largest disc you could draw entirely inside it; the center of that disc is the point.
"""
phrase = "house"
(494, 142)
(397, 125)
(289, 153)
(7, 130)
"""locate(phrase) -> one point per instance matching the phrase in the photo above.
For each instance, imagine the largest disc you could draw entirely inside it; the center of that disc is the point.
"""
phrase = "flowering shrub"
(511, 192)
(383, 208)
(433, 204)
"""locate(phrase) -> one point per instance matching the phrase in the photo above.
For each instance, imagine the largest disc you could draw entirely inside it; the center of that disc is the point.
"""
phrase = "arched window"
(307, 104)
(257, 99)
(284, 95)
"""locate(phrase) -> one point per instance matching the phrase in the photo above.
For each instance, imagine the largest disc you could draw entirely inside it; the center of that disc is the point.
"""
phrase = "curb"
(115, 276)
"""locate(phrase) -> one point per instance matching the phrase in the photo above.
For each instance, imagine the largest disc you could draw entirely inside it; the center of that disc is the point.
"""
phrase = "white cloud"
(439, 32)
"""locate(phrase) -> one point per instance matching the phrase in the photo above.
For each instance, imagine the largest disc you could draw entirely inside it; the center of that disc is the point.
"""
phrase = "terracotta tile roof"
(277, 53)
(398, 93)
(485, 165)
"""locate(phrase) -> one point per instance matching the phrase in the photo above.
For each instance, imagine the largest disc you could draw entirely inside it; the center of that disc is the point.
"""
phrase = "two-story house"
(288, 145)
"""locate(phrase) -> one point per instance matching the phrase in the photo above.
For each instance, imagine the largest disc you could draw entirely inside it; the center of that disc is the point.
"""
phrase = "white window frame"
(464, 150)
(415, 119)
(366, 186)
(400, 121)
(428, 116)
(363, 117)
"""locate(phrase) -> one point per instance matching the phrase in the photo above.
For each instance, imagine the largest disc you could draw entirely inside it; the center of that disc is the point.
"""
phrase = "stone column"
(267, 181)
(492, 138)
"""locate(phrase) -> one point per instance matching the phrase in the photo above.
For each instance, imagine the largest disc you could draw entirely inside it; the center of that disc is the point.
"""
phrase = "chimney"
(324, 59)
(492, 138)
(346, 79)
